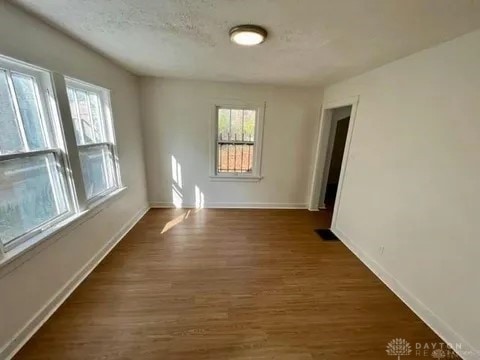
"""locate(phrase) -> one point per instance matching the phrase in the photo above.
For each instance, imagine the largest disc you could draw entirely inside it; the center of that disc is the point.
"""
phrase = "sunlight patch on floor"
(175, 221)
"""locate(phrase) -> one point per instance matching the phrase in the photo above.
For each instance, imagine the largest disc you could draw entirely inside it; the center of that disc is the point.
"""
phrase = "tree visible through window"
(235, 140)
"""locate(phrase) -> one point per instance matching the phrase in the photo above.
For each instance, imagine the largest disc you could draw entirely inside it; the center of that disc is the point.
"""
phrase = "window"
(33, 186)
(238, 142)
(94, 136)
(54, 163)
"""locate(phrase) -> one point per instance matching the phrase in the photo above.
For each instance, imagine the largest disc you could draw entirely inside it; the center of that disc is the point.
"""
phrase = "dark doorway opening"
(339, 141)
(337, 130)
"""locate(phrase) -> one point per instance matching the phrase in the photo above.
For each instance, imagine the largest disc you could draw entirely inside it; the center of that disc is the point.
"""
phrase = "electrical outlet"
(381, 249)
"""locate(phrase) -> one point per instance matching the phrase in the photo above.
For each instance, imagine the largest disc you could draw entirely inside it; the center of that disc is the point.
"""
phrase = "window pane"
(236, 137)
(29, 110)
(31, 193)
(10, 140)
(249, 125)
(96, 118)
(87, 117)
(236, 125)
(223, 124)
(98, 169)
(235, 158)
(84, 115)
(75, 116)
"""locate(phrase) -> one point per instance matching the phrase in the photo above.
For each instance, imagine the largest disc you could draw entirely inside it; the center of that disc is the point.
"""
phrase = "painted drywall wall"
(177, 118)
(412, 184)
(32, 280)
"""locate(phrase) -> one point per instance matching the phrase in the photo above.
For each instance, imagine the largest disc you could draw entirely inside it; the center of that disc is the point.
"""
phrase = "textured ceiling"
(311, 42)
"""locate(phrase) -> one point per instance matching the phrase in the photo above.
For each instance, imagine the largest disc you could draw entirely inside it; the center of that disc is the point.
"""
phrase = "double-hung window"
(57, 151)
(90, 109)
(33, 185)
(238, 137)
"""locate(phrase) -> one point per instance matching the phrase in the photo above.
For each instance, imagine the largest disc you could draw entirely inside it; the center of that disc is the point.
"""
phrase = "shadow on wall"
(177, 187)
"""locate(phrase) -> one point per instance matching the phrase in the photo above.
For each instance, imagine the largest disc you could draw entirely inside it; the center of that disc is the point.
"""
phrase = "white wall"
(177, 117)
(28, 284)
(412, 181)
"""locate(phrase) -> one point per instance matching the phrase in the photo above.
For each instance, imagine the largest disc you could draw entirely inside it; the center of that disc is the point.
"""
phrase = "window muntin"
(29, 108)
(236, 140)
(33, 186)
(89, 106)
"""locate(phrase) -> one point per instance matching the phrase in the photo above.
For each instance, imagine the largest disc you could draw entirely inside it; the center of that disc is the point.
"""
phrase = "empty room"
(239, 179)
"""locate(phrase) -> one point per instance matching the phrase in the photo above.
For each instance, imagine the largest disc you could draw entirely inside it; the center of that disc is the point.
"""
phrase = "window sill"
(55, 232)
(234, 178)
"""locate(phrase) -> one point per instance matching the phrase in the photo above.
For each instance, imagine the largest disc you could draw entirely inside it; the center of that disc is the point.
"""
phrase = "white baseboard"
(14, 345)
(440, 327)
(161, 204)
(320, 207)
(433, 321)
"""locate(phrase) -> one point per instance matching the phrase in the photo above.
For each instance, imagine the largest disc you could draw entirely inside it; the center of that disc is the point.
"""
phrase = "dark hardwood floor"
(228, 284)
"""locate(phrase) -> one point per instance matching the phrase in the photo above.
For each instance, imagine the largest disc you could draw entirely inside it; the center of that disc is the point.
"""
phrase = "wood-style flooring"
(228, 284)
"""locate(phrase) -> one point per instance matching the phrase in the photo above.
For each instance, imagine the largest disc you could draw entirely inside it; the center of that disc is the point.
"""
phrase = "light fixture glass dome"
(248, 35)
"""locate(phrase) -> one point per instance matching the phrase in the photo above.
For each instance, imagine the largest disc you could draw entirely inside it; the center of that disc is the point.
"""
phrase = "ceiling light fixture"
(248, 35)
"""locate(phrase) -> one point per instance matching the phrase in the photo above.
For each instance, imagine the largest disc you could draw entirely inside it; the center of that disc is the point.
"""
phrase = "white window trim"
(257, 156)
(55, 105)
(104, 95)
(57, 148)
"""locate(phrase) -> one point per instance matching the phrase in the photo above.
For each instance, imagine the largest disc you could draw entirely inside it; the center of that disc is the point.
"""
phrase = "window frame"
(255, 175)
(7, 246)
(111, 143)
(59, 138)
(52, 136)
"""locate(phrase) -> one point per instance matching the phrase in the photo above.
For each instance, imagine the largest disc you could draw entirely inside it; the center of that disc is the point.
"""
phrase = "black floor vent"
(326, 234)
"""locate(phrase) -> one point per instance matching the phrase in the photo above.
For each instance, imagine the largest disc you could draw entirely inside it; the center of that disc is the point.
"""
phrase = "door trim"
(321, 153)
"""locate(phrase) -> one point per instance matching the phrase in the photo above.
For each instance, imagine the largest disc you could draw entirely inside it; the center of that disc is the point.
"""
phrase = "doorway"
(340, 121)
(336, 128)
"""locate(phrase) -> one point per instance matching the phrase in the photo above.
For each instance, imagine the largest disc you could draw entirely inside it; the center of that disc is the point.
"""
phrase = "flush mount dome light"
(248, 35)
